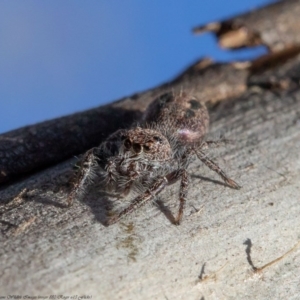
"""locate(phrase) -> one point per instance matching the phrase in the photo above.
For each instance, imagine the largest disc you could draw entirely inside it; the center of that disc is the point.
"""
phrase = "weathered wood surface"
(47, 249)
(276, 26)
(230, 244)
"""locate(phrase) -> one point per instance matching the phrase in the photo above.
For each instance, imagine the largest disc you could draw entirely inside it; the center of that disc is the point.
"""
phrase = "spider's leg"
(142, 199)
(182, 195)
(213, 166)
(154, 190)
(86, 173)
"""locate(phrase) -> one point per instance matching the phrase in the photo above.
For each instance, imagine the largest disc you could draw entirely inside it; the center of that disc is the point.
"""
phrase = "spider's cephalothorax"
(149, 157)
(142, 154)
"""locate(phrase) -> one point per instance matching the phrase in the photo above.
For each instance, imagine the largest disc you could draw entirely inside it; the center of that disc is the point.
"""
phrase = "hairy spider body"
(149, 157)
(142, 155)
(182, 116)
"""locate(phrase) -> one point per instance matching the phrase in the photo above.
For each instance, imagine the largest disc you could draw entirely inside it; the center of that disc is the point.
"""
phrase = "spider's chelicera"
(153, 155)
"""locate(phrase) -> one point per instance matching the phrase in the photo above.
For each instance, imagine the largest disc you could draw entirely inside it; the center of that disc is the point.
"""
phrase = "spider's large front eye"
(137, 148)
(127, 144)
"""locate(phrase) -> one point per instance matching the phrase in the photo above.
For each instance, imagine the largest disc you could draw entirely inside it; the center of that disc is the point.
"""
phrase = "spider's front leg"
(86, 173)
(153, 191)
(184, 184)
(213, 166)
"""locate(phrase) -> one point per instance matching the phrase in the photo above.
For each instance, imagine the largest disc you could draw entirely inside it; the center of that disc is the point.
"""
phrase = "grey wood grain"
(48, 249)
(231, 244)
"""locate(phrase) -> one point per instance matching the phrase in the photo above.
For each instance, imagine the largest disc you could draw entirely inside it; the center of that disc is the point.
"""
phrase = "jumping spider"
(149, 157)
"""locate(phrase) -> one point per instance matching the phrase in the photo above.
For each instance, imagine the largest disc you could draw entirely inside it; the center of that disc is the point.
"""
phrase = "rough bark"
(231, 244)
(276, 26)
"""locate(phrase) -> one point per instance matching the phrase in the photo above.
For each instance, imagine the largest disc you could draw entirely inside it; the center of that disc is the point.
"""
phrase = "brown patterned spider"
(149, 157)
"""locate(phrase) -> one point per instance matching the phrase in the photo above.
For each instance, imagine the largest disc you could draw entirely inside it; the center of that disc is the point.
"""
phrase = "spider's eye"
(194, 104)
(137, 148)
(146, 148)
(166, 98)
(157, 139)
(127, 144)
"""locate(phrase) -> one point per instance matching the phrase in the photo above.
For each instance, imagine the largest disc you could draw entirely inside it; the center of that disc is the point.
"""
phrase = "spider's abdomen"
(181, 114)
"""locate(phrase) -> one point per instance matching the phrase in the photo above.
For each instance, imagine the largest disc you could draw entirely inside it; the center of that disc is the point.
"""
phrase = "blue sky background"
(59, 57)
